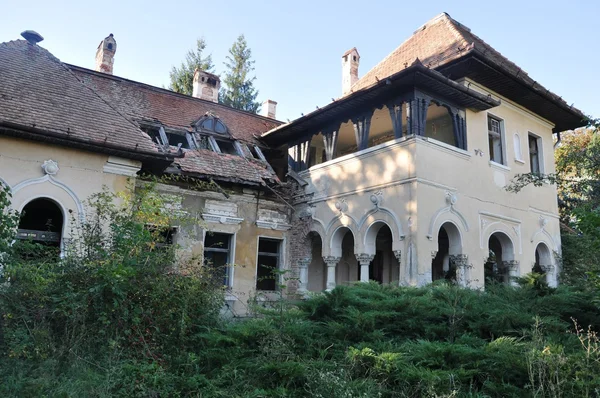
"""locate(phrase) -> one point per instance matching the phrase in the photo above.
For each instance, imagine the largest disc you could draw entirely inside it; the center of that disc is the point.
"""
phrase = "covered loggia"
(42, 221)
(380, 263)
(316, 270)
(500, 266)
(443, 264)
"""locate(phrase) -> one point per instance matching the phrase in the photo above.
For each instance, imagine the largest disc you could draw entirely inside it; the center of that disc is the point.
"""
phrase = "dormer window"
(211, 124)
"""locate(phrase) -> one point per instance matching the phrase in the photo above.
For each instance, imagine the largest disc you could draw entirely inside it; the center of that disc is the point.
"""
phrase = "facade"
(401, 180)
(405, 175)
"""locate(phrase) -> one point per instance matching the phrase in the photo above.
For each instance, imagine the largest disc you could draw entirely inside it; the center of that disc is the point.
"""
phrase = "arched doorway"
(317, 270)
(544, 264)
(497, 268)
(384, 266)
(42, 222)
(449, 246)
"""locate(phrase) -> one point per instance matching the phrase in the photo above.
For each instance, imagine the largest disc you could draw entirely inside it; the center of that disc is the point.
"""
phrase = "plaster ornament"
(451, 198)
(341, 205)
(543, 221)
(377, 198)
(50, 167)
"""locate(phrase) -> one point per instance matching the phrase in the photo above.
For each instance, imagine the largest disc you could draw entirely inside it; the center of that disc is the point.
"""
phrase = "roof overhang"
(151, 160)
(341, 110)
(517, 87)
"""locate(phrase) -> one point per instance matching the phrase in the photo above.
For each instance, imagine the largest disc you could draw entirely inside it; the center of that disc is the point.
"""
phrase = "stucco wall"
(415, 184)
(80, 175)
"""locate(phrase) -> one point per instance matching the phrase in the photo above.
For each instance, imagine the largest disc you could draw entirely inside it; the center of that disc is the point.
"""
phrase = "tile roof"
(224, 167)
(443, 40)
(38, 91)
(144, 102)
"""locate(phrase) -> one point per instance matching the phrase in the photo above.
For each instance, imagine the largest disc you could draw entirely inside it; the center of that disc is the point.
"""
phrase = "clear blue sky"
(298, 45)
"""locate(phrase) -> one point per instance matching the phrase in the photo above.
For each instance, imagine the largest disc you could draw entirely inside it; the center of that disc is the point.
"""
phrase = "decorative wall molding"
(3, 181)
(543, 221)
(451, 200)
(49, 178)
(50, 167)
(221, 212)
(272, 219)
(121, 166)
(490, 223)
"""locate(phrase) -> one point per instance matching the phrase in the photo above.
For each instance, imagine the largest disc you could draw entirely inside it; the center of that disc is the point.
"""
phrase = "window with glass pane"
(217, 248)
(268, 264)
(495, 139)
(534, 154)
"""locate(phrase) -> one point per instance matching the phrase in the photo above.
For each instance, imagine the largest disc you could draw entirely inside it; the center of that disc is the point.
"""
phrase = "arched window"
(211, 124)
(41, 221)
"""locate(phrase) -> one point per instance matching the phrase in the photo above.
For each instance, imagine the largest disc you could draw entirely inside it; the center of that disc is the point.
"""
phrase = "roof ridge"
(451, 22)
(167, 91)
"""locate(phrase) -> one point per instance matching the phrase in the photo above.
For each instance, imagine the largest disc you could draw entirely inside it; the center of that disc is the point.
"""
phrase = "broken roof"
(142, 102)
(41, 98)
(442, 43)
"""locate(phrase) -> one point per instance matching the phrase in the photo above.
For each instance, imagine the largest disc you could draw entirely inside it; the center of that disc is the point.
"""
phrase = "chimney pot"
(269, 109)
(105, 55)
(32, 36)
(206, 86)
(350, 62)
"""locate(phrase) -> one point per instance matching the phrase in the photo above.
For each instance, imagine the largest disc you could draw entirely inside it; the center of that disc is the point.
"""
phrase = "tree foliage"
(182, 78)
(239, 91)
(577, 178)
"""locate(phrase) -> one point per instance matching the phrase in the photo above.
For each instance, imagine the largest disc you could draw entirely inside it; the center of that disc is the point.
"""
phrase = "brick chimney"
(105, 55)
(206, 86)
(350, 61)
(269, 109)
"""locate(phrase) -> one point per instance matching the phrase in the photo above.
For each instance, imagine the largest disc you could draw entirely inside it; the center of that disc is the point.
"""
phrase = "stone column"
(513, 270)
(550, 275)
(401, 269)
(303, 275)
(331, 262)
(461, 262)
(364, 260)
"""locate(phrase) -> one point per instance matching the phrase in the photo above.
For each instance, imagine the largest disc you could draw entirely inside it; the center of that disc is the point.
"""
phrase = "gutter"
(36, 134)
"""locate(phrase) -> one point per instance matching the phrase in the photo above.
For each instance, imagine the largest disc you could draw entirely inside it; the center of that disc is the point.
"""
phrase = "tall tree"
(239, 91)
(182, 78)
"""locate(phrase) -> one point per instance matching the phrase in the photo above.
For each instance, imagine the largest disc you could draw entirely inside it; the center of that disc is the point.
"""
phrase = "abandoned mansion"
(401, 179)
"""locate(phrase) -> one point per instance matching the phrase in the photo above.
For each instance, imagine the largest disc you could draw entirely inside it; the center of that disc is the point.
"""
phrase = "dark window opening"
(162, 237)
(211, 81)
(176, 139)
(268, 264)
(110, 46)
(217, 248)
(495, 140)
(227, 147)
(494, 268)
(534, 154)
(42, 222)
(440, 265)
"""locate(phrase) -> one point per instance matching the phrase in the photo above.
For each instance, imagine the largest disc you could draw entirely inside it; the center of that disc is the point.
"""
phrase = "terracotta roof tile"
(440, 41)
(37, 90)
(143, 102)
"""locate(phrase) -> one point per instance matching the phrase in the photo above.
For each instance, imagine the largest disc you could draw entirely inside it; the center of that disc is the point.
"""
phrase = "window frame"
(280, 260)
(230, 257)
(540, 154)
(502, 139)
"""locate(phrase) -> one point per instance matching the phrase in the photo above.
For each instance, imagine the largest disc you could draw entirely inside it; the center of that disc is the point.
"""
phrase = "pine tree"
(239, 91)
(182, 78)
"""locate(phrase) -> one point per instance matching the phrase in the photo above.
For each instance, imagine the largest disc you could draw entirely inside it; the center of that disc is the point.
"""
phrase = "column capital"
(304, 262)
(548, 268)
(398, 255)
(331, 261)
(512, 265)
(459, 260)
(364, 257)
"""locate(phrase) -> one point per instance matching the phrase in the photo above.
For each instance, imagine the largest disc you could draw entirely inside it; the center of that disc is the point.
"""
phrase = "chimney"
(105, 55)
(32, 36)
(350, 61)
(269, 109)
(206, 86)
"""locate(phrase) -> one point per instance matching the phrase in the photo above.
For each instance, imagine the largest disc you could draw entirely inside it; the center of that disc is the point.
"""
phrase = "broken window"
(495, 139)
(534, 154)
(212, 124)
(228, 147)
(268, 264)
(217, 252)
